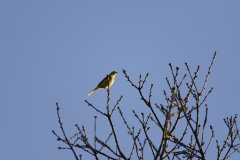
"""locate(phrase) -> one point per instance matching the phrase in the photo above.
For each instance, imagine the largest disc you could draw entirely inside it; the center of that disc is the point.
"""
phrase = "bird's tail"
(94, 90)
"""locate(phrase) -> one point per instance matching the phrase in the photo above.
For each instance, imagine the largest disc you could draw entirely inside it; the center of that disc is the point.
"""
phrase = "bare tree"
(192, 143)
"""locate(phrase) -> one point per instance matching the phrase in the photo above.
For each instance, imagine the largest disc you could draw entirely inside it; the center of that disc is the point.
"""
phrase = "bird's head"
(113, 73)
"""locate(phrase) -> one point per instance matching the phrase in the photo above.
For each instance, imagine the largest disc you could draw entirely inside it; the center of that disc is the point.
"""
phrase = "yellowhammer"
(105, 83)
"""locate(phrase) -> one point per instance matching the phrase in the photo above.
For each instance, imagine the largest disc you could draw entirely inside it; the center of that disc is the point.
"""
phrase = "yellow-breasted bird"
(107, 81)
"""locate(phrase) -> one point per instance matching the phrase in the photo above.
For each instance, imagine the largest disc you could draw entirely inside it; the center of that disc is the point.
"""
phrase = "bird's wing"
(104, 80)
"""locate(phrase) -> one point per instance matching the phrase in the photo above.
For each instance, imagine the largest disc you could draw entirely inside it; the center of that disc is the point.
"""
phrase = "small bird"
(107, 81)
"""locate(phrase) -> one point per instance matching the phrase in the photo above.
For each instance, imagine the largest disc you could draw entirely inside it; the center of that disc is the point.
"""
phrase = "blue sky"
(57, 51)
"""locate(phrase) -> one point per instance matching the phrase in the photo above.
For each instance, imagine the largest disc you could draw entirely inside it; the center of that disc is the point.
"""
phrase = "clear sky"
(57, 51)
